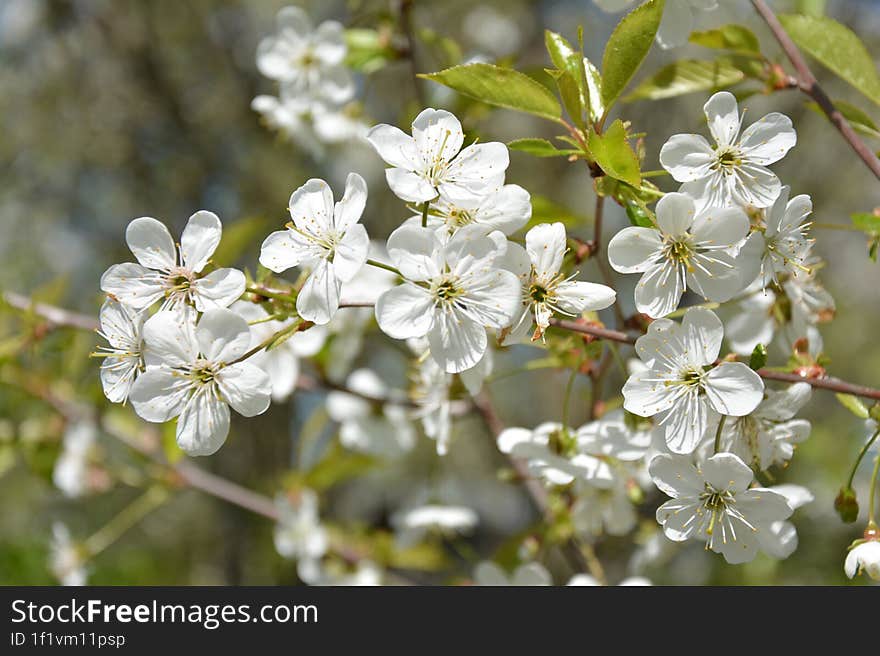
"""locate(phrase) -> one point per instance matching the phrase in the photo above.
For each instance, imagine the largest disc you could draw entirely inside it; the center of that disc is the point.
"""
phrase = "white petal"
(133, 284)
(437, 134)
(768, 139)
(159, 394)
(676, 475)
(722, 113)
(720, 227)
(151, 243)
(222, 335)
(675, 214)
(200, 239)
(531, 574)
(477, 171)
(281, 250)
(318, 300)
(349, 209)
(546, 245)
(457, 342)
(576, 297)
(405, 312)
(784, 405)
(644, 396)
(659, 291)
(510, 438)
(412, 250)
(507, 210)
(685, 424)
(120, 325)
(219, 289)
(245, 387)
(203, 425)
(170, 338)
(351, 253)
(718, 276)
(701, 333)
(734, 389)
(725, 471)
(330, 42)
(409, 186)
(760, 188)
(395, 147)
(633, 249)
(687, 157)
(311, 207)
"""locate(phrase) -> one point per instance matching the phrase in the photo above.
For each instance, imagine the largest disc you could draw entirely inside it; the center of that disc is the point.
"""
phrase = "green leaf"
(638, 216)
(540, 148)
(503, 87)
(367, 50)
(572, 76)
(572, 96)
(853, 404)
(838, 49)
(627, 48)
(612, 152)
(867, 223)
(860, 121)
(560, 50)
(728, 37)
(594, 91)
(759, 357)
(687, 76)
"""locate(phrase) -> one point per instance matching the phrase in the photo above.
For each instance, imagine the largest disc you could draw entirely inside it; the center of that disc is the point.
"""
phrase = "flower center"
(679, 251)
(203, 372)
(563, 443)
(727, 160)
(447, 290)
(436, 170)
(459, 217)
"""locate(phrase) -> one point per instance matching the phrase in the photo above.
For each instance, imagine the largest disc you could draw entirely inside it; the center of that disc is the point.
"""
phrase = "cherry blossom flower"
(689, 249)
(768, 435)
(713, 502)
(412, 525)
(431, 393)
(864, 558)
(785, 537)
(123, 359)
(452, 292)
(307, 61)
(488, 573)
(733, 172)
(336, 573)
(544, 289)
(681, 382)
(162, 274)
(554, 453)
(590, 581)
(506, 209)
(193, 374)
(781, 245)
(605, 510)
(66, 558)
(379, 429)
(325, 238)
(71, 471)
(428, 163)
(298, 533)
(611, 436)
(282, 362)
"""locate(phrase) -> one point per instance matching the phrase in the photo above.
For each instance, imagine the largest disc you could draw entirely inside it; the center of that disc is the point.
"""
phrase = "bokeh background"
(111, 110)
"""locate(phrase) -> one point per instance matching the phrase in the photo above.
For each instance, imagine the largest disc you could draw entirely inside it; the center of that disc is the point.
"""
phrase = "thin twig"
(807, 83)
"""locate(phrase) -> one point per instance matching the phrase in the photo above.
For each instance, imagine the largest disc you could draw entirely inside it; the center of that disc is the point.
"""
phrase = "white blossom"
(307, 61)
(318, 572)
(71, 471)
(611, 436)
(688, 250)
(506, 209)
(431, 393)
(192, 374)
(553, 453)
(377, 428)
(122, 327)
(452, 292)
(864, 558)
(325, 238)
(163, 273)
(298, 533)
(683, 385)
(768, 435)
(488, 573)
(412, 525)
(604, 510)
(734, 171)
(590, 581)
(544, 289)
(712, 502)
(428, 163)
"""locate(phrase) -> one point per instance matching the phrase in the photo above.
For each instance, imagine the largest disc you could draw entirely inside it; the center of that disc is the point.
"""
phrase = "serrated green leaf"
(854, 405)
(612, 152)
(572, 97)
(540, 148)
(758, 358)
(503, 87)
(837, 48)
(728, 37)
(627, 48)
(860, 121)
(687, 76)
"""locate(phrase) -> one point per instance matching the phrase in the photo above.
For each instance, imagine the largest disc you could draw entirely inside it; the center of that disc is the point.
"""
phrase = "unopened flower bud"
(846, 505)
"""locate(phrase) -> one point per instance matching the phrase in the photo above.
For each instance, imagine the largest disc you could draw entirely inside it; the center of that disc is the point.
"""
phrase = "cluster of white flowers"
(313, 106)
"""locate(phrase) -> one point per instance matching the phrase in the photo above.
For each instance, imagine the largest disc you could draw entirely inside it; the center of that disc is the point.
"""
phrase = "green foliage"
(571, 76)
(853, 404)
(503, 87)
(759, 357)
(540, 148)
(612, 152)
(870, 225)
(837, 48)
(627, 48)
(638, 215)
(367, 50)
(737, 38)
(860, 121)
(688, 76)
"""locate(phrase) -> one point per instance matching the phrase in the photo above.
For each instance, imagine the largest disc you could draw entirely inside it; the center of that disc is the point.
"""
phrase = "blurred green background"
(111, 110)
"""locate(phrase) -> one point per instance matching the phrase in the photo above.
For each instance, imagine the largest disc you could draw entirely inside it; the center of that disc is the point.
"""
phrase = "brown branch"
(56, 316)
(808, 84)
